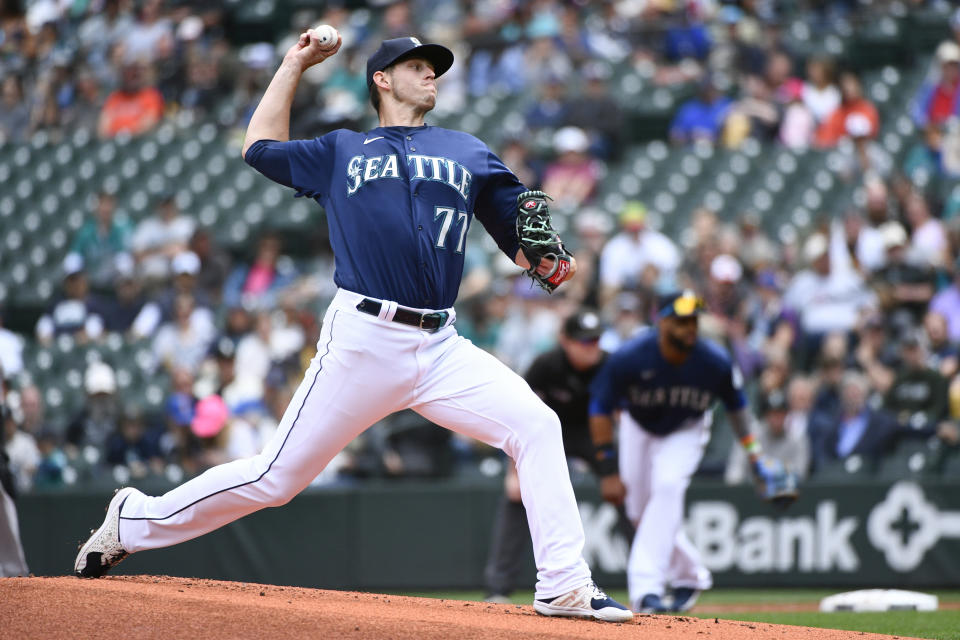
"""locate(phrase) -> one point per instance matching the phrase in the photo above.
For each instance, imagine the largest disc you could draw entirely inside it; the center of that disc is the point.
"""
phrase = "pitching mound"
(164, 607)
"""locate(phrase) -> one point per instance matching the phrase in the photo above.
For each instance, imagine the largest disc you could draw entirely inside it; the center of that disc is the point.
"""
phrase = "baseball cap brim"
(437, 55)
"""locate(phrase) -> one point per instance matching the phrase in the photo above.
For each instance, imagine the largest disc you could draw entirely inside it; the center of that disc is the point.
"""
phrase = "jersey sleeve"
(607, 388)
(304, 165)
(731, 388)
(496, 205)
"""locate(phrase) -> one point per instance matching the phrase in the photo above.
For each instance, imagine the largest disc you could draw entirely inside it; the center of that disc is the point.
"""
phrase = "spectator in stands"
(11, 350)
(83, 112)
(629, 256)
(592, 230)
(151, 35)
(572, 177)
(134, 445)
(940, 99)
(918, 395)
(74, 312)
(820, 94)
(798, 125)
(257, 284)
(516, 156)
(724, 293)
(134, 107)
(129, 312)
(903, 284)
(20, 446)
(701, 117)
(31, 411)
(159, 238)
(101, 239)
(800, 402)
(928, 238)
(855, 428)
(827, 296)
(214, 264)
(100, 415)
(790, 448)
(947, 304)
(606, 133)
(183, 342)
(14, 110)
(185, 267)
(944, 357)
(756, 114)
(550, 109)
(855, 118)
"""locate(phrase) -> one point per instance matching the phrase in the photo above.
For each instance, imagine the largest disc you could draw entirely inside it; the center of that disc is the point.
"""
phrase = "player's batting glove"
(539, 240)
(775, 484)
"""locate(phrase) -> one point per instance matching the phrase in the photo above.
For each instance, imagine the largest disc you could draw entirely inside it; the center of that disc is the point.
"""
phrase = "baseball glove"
(775, 484)
(539, 240)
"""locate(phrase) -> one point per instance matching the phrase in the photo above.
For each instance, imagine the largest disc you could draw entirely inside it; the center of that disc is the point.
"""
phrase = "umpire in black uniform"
(561, 377)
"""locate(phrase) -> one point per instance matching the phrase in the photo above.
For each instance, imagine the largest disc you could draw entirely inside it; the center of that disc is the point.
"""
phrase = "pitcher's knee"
(670, 488)
(538, 427)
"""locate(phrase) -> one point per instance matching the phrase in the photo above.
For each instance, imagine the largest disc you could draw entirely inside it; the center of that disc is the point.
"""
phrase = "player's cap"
(681, 304)
(72, 264)
(209, 417)
(583, 325)
(99, 378)
(185, 262)
(392, 51)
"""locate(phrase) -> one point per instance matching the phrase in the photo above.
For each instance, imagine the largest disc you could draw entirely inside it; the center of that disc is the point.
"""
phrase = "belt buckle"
(441, 316)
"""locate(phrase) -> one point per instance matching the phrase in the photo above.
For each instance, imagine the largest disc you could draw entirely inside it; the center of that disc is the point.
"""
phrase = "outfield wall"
(430, 536)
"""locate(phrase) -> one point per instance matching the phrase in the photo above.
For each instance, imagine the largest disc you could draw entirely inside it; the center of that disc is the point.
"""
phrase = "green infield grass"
(943, 624)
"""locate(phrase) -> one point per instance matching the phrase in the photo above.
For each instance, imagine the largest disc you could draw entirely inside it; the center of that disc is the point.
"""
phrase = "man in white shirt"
(160, 237)
(627, 258)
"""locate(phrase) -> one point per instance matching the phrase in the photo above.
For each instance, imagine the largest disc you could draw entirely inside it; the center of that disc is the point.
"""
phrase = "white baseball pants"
(656, 471)
(366, 368)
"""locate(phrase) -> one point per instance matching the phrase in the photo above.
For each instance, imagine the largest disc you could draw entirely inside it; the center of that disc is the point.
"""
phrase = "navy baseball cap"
(391, 51)
(681, 304)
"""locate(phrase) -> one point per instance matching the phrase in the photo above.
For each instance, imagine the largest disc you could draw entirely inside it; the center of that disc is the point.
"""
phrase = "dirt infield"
(164, 607)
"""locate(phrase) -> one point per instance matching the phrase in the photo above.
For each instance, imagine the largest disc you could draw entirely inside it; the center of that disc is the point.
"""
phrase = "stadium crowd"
(848, 337)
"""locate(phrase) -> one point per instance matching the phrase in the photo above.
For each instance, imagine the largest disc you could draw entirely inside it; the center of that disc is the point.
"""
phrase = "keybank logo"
(760, 544)
(903, 527)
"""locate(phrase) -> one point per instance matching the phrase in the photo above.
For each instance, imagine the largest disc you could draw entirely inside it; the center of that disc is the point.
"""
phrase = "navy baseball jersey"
(399, 202)
(661, 396)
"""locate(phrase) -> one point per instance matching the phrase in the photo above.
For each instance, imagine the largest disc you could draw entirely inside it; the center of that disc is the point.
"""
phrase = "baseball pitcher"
(399, 201)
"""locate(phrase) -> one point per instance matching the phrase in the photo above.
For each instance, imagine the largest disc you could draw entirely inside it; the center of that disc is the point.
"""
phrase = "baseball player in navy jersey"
(664, 382)
(399, 201)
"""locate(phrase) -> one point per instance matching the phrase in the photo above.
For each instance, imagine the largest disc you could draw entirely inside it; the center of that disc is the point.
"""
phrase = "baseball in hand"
(325, 35)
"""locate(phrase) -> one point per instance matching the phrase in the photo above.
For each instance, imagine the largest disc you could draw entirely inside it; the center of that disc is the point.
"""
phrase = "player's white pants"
(656, 471)
(365, 369)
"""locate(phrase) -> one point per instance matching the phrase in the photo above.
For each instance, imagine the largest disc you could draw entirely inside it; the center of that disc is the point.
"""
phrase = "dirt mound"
(164, 607)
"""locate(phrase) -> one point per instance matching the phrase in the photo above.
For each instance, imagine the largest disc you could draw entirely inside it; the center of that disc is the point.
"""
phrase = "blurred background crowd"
(793, 162)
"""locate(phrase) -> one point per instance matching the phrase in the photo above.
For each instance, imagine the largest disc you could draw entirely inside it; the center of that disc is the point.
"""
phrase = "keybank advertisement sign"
(905, 534)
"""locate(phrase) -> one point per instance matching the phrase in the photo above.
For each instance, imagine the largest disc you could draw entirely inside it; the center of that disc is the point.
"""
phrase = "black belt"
(433, 321)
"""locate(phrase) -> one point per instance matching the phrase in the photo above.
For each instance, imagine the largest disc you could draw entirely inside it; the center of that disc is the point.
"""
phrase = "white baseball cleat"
(103, 550)
(586, 602)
